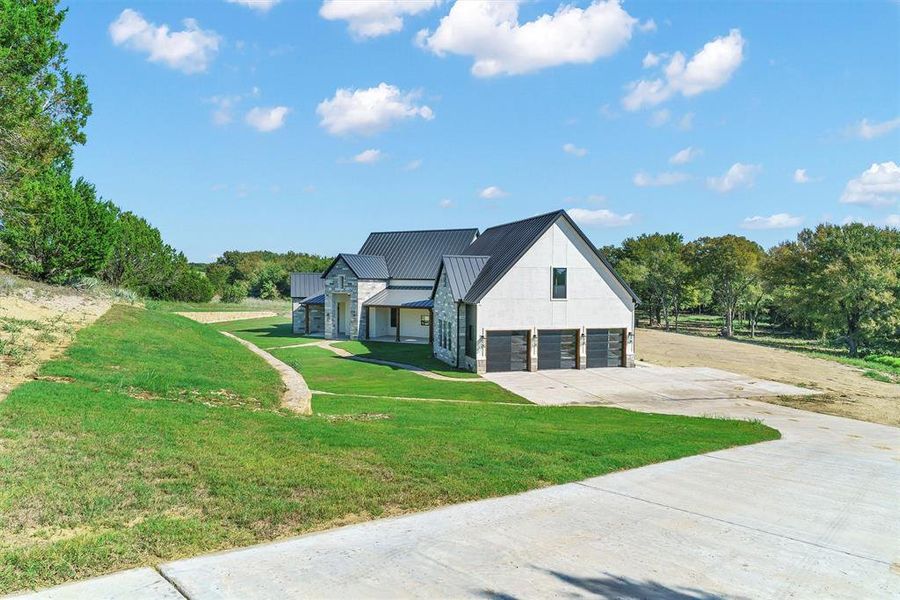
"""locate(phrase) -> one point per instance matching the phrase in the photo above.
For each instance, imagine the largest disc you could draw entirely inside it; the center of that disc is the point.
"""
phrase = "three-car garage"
(510, 350)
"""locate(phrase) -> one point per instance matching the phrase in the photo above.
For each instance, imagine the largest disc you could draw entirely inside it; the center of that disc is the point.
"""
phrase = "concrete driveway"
(815, 514)
(617, 385)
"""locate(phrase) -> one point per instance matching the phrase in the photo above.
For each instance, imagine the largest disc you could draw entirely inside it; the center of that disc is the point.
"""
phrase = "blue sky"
(266, 125)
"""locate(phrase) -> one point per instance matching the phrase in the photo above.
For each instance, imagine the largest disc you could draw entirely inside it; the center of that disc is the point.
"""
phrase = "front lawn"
(419, 355)
(96, 477)
(268, 332)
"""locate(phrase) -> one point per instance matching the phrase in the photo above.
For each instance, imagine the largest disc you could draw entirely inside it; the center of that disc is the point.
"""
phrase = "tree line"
(840, 283)
(54, 228)
(259, 273)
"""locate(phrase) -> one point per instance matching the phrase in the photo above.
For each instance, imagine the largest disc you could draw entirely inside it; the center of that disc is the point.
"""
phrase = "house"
(528, 295)
(308, 317)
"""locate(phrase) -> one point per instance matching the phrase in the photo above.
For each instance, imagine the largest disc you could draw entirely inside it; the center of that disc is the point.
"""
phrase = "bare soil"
(223, 316)
(38, 324)
(846, 392)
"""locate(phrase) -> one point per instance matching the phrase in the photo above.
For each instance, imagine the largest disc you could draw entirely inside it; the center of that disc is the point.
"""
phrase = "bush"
(891, 361)
(234, 293)
(190, 286)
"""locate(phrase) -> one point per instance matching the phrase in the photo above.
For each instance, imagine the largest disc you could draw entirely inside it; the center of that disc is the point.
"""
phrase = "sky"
(302, 125)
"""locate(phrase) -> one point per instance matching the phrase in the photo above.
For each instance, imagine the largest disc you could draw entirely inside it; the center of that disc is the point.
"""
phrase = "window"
(340, 281)
(559, 283)
(395, 315)
(441, 333)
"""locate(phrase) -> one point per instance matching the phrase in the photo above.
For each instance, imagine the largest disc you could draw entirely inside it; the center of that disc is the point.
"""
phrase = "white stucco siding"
(522, 298)
(411, 323)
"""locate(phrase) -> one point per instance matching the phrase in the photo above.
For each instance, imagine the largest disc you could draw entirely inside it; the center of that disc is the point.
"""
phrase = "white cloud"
(574, 150)
(373, 18)
(492, 192)
(368, 111)
(738, 175)
(710, 68)
(257, 5)
(446, 203)
(367, 157)
(660, 117)
(223, 109)
(651, 60)
(879, 185)
(776, 221)
(868, 130)
(892, 220)
(642, 179)
(266, 119)
(800, 176)
(490, 32)
(413, 165)
(189, 51)
(685, 155)
(601, 217)
(647, 26)
(686, 123)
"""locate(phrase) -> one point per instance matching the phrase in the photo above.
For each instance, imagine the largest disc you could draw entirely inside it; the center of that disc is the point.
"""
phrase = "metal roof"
(364, 266)
(320, 299)
(461, 273)
(505, 244)
(304, 285)
(416, 254)
(403, 297)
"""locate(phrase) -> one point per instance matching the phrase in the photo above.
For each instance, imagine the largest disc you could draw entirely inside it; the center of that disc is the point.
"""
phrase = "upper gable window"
(559, 283)
(340, 281)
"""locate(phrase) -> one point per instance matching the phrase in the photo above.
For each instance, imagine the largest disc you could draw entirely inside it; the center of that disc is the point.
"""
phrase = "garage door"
(604, 347)
(557, 349)
(507, 351)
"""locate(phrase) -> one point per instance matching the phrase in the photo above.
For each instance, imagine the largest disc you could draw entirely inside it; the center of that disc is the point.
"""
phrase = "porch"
(400, 316)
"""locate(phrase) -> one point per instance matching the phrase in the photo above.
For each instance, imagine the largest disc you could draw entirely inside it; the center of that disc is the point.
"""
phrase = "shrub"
(190, 286)
(234, 293)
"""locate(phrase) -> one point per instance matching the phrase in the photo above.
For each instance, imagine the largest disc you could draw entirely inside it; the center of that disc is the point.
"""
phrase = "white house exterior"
(507, 318)
(529, 295)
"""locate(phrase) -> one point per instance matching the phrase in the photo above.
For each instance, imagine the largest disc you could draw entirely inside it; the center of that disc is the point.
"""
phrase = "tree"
(43, 107)
(139, 260)
(55, 231)
(729, 264)
(189, 285)
(842, 278)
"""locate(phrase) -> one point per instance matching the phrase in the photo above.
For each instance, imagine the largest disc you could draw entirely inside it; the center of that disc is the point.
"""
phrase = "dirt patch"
(37, 325)
(223, 316)
(846, 391)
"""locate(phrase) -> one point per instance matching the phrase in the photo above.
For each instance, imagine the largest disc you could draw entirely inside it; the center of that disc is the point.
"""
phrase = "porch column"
(431, 327)
(368, 320)
(306, 315)
(398, 323)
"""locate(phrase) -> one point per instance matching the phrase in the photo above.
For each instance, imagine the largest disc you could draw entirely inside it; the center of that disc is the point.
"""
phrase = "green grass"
(418, 355)
(93, 479)
(269, 332)
(282, 306)
(142, 351)
(326, 372)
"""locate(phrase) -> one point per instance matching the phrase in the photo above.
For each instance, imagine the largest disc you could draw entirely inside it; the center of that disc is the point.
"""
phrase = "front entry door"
(341, 326)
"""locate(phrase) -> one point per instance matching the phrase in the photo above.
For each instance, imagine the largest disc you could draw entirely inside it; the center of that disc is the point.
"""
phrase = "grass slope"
(93, 480)
(142, 351)
(418, 355)
(268, 332)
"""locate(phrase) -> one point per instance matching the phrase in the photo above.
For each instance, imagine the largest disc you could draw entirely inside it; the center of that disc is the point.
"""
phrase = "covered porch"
(401, 315)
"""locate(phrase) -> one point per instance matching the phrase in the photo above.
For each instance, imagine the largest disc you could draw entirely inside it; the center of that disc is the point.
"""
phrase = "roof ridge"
(424, 230)
(466, 256)
(557, 212)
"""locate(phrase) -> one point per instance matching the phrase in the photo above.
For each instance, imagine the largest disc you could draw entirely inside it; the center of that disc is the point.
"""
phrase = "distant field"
(249, 304)
(876, 367)
(156, 438)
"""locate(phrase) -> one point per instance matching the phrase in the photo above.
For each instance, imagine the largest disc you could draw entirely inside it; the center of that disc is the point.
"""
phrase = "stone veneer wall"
(357, 290)
(316, 318)
(445, 308)
(298, 316)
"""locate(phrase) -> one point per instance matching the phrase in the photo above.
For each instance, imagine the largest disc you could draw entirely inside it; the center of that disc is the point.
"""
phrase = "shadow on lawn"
(625, 588)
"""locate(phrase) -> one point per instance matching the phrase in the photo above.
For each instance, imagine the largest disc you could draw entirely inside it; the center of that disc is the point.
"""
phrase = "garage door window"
(559, 283)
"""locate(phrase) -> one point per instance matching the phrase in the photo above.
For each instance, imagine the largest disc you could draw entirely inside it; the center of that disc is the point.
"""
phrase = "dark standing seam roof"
(505, 244)
(365, 267)
(304, 285)
(417, 254)
(405, 297)
(320, 299)
(461, 273)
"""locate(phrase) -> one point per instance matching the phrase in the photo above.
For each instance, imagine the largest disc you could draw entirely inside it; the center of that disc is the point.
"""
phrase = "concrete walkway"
(297, 397)
(815, 514)
(397, 365)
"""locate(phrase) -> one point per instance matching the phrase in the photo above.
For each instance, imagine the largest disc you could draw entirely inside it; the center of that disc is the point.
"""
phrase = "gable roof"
(507, 243)
(304, 285)
(363, 266)
(416, 254)
(461, 273)
(407, 297)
